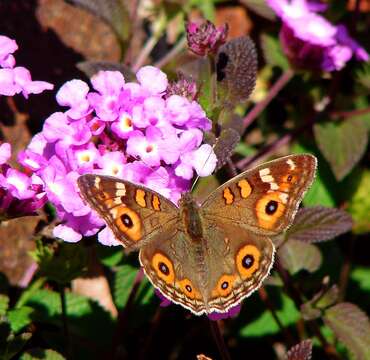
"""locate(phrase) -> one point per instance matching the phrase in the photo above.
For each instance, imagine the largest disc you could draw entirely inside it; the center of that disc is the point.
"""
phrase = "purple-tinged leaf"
(296, 255)
(318, 223)
(301, 351)
(236, 71)
(90, 68)
(322, 300)
(113, 12)
(225, 145)
(342, 143)
(352, 327)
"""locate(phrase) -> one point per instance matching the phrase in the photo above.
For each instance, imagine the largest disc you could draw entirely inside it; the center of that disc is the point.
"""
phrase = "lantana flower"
(20, 194)
(15, 80)
(131, 130)
(311, 41)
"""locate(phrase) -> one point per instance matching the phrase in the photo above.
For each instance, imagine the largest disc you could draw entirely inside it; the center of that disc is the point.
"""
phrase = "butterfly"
(206, 257)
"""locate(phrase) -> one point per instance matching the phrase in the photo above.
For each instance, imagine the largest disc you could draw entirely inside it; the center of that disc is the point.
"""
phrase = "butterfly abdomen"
(189, 212)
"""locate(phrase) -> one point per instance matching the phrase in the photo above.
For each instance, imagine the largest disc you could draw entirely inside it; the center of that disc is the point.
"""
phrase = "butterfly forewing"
(134, 213)
(265, 199)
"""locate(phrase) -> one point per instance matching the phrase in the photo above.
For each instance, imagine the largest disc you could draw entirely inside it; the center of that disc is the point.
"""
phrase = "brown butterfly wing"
(134, 213)
(171, 262)
(265, 199)
(238, 261)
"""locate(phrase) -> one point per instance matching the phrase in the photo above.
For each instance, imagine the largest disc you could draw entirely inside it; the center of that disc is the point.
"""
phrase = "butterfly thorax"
(189, 213)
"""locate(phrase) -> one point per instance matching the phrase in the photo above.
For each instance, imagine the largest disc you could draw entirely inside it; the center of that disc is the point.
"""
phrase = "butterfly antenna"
(205, 163)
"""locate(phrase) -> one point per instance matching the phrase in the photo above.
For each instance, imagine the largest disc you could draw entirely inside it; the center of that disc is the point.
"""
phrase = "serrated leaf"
(113, 12)
(42, 354)
(273, 52)
(359, 204)
(265, 324)
(260, 7)
(90, 68)
(225, 145)
(124, 279)
(342, 143)
(236, 70)
(19, 318)
(319, 224)
(4, 304)
(297, 255)
(352, 327)
(301, 351)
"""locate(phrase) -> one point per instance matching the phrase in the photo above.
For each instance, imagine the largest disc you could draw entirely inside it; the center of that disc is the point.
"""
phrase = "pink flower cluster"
(131, 130)
(311, 41)
(20, 194)
(16, 79)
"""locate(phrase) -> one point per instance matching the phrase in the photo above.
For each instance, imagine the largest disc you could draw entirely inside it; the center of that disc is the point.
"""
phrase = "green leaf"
(301, 351)
(124, 279)
(244, 150)
(363, 75)
(113, 12)
(319, 224)
(236, 70)
(61, 262)
(359, 203)
(273, 52)
(352, 327)
(260, 7)
(41, 354)
(362, 276)
(297, 255)
(265, 323)
(28, 293)
(343, 143)
(110, 256)
(19, 318)
(4, 304)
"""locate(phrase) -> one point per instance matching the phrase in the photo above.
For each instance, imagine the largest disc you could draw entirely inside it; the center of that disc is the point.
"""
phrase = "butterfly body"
(206, 257)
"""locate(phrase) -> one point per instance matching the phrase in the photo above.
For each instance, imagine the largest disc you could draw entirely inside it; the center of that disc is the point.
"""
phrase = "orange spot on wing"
(122, 213)
(241, 262)
(286, 182)
(163, 267)
(245, 188)
(224, 286)
(188, 289)
(265, 220)
(140, 197)
(228, 196)
(156, 203)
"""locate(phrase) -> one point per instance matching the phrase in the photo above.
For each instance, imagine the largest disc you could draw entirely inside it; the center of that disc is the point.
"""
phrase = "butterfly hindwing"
(134, 213)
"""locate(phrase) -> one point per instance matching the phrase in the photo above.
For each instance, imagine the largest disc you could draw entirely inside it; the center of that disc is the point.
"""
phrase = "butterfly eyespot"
(271, 207)
(162, 265)
(163, 268)
(247, 261)
(224, 286)
(188, 289)
(289, 178)
(127, 221)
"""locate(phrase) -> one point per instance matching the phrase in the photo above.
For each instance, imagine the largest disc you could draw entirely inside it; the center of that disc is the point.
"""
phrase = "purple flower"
(312, 42)
(7, 47)
(133, 131)
(183, 87)
(5, 153)
(205, 38)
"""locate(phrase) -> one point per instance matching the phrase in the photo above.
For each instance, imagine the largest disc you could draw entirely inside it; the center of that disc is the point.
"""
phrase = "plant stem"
(215, 329)
(65, 320)
(294, 294)
(275, 89)
(172, 53)
(264, 297)
(123, 315)
(349, 113)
